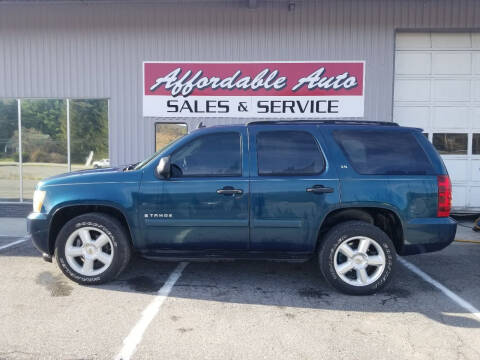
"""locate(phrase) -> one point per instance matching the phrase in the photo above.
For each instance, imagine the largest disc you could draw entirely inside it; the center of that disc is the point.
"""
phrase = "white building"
(422, 66)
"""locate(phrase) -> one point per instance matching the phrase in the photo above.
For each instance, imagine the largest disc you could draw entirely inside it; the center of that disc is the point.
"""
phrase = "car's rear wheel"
(92, 248)
(357, 258)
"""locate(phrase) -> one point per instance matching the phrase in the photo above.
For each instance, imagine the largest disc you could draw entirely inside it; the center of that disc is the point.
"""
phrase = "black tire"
(110, 226)
(336, 237)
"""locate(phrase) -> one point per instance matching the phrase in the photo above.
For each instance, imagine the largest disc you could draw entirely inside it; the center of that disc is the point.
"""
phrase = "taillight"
(444, 196)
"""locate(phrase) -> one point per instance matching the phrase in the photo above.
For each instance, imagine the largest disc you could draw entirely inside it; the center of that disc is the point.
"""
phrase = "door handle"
(228, 190)
(320, 189)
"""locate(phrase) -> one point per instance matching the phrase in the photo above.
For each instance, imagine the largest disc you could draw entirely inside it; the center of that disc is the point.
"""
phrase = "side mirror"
(163, 168)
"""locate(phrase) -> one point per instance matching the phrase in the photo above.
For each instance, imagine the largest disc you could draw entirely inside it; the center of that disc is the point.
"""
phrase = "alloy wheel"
(89, 251)
(359, 261)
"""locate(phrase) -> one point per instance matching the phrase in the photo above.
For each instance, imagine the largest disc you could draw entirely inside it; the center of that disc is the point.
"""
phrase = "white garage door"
(437, 88)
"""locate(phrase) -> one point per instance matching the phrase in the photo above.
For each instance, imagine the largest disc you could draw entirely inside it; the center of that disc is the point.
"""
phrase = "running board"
(175, 255)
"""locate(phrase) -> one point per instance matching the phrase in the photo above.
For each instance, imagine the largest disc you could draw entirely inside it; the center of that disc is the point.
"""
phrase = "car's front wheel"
(92, 248)
(357, 258)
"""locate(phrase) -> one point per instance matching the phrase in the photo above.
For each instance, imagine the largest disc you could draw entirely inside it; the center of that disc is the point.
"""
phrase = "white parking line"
(13, 243)
(136, 334)
(457, 299)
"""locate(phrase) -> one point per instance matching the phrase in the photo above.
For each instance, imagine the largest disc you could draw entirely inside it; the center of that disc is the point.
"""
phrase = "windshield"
(151, 158)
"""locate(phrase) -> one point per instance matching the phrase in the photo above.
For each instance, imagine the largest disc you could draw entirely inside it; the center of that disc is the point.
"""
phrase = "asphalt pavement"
(237, 310)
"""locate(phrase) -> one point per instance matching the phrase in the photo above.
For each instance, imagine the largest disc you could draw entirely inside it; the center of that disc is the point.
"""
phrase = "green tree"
(44, 129)
(46, 117)
(88, 129)
(8, 126)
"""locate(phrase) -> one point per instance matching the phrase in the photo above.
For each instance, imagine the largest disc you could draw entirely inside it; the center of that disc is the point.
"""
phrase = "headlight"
(38, 197)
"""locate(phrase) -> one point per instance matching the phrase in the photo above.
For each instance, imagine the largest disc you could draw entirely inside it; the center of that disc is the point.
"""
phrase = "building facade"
(422, 60)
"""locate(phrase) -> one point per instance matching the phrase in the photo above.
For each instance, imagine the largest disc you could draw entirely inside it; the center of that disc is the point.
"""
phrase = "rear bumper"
(37, 228)
(427, 235)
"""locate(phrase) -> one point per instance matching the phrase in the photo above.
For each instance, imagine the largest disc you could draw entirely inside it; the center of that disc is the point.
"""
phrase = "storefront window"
(44, 141)
(9, 169)
(89, 134)
(476, 144)
(165, 133)
(451, 143)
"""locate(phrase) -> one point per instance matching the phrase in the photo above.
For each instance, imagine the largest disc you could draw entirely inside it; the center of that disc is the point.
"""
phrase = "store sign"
(254, 89)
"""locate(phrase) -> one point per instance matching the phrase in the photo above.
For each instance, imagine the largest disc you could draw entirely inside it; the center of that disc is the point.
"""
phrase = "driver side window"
(208, 156)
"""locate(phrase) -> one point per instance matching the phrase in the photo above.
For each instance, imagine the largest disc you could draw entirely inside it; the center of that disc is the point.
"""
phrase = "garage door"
(437, 88)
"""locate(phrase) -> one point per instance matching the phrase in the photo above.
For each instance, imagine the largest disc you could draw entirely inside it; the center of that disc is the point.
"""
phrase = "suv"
(351, 194)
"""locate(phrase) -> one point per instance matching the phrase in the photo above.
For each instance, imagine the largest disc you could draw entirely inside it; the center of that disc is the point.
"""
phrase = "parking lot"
(237, 310)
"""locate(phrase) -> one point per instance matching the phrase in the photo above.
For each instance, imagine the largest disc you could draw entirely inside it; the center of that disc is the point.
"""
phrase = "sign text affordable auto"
(254, 89)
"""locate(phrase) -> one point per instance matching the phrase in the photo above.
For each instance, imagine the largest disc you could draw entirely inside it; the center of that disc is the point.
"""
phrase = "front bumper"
(427, 235)
(37, 229)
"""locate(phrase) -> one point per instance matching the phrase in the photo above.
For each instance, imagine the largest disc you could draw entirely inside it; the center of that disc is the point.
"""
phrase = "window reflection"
(166, 133)
(9, 169)
(209, 155)
(476, 144)
(288, 153)
(89, 134)
(384, 152)
(451, 143)
(44, 141)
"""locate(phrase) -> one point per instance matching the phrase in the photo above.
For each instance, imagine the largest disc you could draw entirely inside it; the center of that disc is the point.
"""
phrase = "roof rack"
(323, 122)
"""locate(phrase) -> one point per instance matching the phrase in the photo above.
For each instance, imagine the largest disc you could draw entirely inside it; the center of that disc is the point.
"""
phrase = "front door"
(204, 205)
(292, 188)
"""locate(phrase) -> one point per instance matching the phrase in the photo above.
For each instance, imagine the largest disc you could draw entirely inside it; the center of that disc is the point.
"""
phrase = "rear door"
(292, 187)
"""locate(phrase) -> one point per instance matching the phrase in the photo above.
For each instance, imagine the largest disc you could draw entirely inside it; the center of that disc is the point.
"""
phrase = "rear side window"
(288, 153)
(383, 152)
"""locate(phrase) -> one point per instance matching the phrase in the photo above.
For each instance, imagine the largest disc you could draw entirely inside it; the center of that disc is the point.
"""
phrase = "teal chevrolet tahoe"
(350, 194)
